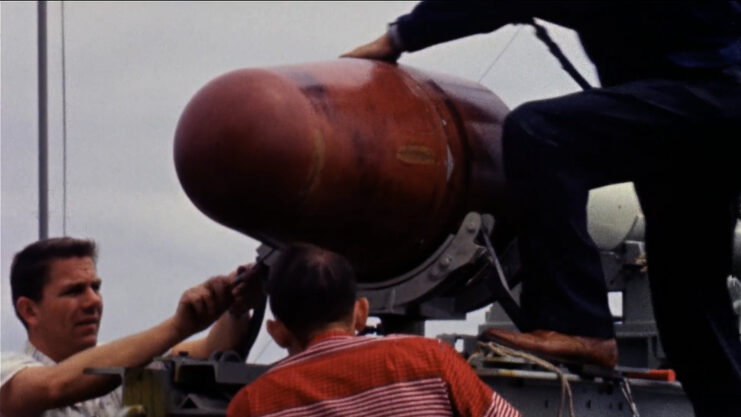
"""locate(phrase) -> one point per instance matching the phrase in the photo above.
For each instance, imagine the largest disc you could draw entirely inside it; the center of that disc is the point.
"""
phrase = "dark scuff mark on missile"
(319, 99)
(369, 180)
(416, 154)
(315, 91)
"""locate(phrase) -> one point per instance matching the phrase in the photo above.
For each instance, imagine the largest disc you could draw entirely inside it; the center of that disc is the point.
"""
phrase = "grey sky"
(130, 70)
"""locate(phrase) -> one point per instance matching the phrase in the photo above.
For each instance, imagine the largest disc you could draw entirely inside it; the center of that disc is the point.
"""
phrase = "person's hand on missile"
(207, 304)
(382, 49)
(247, 288)
(201, 305)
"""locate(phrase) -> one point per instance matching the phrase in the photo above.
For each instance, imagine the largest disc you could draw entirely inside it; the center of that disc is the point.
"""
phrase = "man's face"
(68, 315)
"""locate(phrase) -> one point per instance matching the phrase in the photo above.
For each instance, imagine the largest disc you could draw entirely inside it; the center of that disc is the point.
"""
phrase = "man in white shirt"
(56, 295)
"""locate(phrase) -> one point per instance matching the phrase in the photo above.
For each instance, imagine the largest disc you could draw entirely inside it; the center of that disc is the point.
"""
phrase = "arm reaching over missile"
(432, 23)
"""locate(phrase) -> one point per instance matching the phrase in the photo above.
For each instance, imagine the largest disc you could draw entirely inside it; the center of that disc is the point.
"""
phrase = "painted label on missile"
(375, 161)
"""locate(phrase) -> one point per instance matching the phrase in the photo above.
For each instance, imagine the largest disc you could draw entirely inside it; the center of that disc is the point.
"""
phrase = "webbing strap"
(555, 50)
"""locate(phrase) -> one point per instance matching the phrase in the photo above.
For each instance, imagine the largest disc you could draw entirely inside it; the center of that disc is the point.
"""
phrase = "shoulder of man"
(13, 362)
(420, 342)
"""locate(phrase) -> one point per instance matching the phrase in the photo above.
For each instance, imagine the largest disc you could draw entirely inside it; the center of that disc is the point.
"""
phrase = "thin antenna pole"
(64, 125)
(43, 126)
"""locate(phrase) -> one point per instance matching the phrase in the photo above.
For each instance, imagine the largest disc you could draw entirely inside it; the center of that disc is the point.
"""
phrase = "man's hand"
(199, 307)
(202, 305)
(381, 49)
(249, 290)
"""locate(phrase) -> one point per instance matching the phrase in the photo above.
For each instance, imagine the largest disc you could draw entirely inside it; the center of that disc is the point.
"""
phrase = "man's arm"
(434, 22)
(231, 329)
(35, 389)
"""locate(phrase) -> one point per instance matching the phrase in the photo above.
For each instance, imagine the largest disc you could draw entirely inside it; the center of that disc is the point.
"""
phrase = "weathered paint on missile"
(376, 161)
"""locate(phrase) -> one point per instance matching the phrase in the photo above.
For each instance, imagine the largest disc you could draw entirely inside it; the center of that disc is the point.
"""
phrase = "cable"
(264, 348)
(64, 127)
(499, 55)
(542, 34)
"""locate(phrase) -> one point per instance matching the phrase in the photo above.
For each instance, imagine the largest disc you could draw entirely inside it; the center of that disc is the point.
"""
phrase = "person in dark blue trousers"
(667, 117)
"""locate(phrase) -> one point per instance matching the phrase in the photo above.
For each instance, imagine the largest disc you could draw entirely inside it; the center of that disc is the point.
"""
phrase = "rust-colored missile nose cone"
(375, 161)
(242, 145)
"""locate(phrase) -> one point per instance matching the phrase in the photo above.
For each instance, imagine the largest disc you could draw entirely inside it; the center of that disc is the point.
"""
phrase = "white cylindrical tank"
(614, 215)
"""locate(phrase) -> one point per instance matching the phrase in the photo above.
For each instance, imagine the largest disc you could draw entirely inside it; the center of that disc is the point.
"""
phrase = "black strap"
(555, 50)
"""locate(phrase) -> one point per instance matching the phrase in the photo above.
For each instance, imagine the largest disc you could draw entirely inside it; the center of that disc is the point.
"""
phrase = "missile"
(376, 161)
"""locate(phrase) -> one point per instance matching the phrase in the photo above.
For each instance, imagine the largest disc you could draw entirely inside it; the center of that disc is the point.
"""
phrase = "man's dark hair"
(309, 288)
(30, 269)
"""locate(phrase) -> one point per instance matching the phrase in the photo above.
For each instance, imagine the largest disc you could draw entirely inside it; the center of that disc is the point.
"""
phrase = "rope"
(542, 34)
(567, 398)
(499, 55)
(628, 395)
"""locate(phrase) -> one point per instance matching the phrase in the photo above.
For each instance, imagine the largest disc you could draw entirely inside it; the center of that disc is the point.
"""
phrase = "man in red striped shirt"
(331, 371)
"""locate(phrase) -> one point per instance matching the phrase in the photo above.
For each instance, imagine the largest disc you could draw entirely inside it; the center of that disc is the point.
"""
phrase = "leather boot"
(558, 347)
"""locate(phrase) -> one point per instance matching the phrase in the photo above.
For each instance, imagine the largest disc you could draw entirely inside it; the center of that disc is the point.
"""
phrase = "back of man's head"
(310, 288)
(29, 271)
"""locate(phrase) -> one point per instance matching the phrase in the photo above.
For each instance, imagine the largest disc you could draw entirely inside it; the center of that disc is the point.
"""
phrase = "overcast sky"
(130, 70)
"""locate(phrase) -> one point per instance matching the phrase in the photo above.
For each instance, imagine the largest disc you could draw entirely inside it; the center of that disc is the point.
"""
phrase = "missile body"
(375, 161)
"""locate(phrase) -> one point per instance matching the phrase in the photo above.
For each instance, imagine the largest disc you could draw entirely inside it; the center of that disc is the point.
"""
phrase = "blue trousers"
(680, 143)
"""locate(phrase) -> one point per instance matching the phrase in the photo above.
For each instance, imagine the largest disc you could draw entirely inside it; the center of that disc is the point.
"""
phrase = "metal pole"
(43, 126)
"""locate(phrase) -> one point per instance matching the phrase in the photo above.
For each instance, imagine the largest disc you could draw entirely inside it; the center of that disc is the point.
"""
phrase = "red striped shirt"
(366, 376)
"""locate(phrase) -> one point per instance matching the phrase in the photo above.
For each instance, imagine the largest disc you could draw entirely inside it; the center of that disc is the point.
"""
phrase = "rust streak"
(317, 164)
(416, 154)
